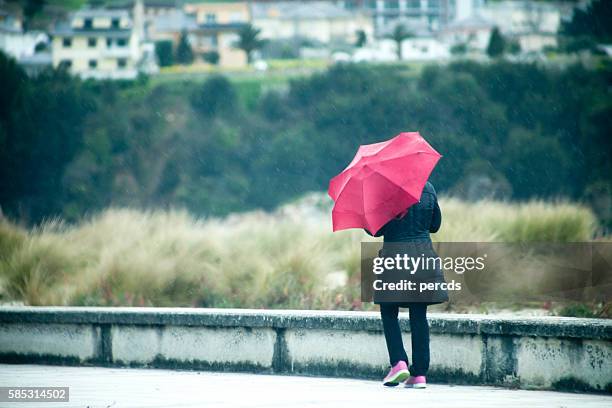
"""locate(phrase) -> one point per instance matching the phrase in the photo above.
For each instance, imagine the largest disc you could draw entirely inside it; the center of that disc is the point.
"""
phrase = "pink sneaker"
(416, 382)
(397, 374)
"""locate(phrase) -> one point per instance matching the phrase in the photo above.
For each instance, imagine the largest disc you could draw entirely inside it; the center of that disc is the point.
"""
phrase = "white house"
(14, 41)
(102, 43)
(473, 31)
(424, 48)
(317, 20)
(534, 24)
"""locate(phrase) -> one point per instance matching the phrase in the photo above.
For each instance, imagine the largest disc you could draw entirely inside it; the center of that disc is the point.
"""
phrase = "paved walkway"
(116, 387)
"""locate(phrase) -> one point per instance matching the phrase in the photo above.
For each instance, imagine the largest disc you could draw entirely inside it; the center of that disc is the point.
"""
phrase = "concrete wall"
(543, 353)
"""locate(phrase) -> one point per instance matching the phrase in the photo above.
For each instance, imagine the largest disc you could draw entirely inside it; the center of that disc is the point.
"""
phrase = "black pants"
(419, 332)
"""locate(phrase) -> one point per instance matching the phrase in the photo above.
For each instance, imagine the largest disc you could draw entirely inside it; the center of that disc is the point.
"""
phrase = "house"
(16, 42)
(151, 9)
(102, 43)
(424, 47)
(211, 27)
(170, 26)
(520, 16)
(534, 24)
(154, 8)
(474, 32)
(432, 14)
(321, 21)
(219, 12)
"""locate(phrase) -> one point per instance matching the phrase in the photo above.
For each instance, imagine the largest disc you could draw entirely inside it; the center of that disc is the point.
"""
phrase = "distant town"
(120, 39)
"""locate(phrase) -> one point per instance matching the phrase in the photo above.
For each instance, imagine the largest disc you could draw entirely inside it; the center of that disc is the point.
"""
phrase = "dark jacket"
(409, 234)
(421, 219)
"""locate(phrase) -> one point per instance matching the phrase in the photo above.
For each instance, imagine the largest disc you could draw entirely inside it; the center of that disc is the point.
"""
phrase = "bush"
(459, 49)
(217, 95)
(184, 53)
(212, 57)
(272, 260)
(68, 147)
(164, 52)
(497, 44)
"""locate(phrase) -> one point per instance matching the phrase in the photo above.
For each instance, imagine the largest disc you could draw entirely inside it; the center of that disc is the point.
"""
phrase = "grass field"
(285, 259)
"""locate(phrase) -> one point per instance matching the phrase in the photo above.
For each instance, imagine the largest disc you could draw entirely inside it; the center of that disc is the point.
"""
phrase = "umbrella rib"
(351, 212)
(363, 217)
(395, 158)
(399, 156)
(390, 169)
(392, 182)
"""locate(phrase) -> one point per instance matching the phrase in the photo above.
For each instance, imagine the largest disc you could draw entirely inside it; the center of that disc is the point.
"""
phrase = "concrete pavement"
(144, 388)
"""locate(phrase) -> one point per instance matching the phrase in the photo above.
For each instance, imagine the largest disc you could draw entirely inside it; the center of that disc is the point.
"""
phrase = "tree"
(212, 57)
(184, 53)
(399, 34)
(163, 50)
(459, 49)
(41, 130)
(595, 21)
(30, 9)
(217, 95)
(249, 40)
(362, 38)
(514, 47)
(497, 44)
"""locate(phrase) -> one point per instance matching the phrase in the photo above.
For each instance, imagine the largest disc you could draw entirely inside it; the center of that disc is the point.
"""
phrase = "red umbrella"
(382, 181)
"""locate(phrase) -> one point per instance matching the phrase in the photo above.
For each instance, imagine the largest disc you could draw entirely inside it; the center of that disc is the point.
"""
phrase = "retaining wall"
(539, 353)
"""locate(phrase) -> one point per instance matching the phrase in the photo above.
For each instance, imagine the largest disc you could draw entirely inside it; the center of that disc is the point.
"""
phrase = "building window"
(115, 23)
(391, 4)
(93, 64)
(211, 18)
(434, 4)
(372, 4)
(109, 42)
(65, 64)
(121, 42)
(67, 42)
(91, 42)
(121, 62)
(88, 23)
(414, 5)
(433, 22)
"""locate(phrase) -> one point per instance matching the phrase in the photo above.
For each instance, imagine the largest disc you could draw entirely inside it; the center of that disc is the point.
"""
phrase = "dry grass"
(284, 259)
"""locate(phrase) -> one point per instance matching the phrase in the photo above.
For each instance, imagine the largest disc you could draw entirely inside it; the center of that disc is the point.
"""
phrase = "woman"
(412, 229)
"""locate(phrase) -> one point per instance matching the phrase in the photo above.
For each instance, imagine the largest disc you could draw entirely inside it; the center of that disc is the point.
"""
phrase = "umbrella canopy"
(383, 180)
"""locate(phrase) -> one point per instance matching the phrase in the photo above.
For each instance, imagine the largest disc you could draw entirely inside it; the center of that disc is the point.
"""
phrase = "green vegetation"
(285, 259)
(249, 40)
(164, 53)
(512, 131)
(212, 57)
(399, 34)
(362, 38)
(497, 44)
(590, 310)
(184, 53)
(589, 26)
(592, 21)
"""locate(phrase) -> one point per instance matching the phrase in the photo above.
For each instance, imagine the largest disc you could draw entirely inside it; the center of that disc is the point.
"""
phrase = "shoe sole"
(416, 386)
(399, 377)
